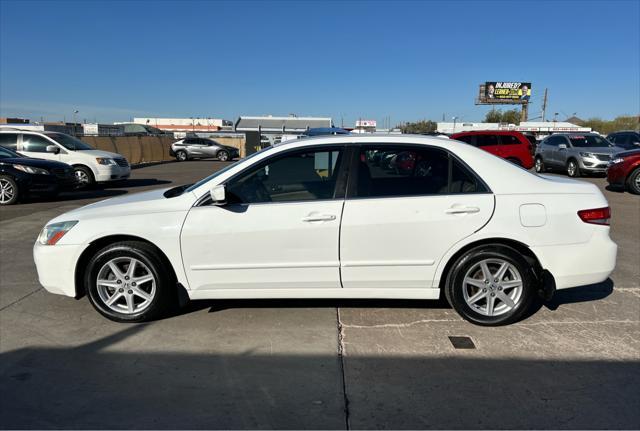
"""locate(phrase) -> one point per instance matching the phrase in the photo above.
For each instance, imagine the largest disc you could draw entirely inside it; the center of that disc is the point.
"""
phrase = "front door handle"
(463, 210)
(319, 217)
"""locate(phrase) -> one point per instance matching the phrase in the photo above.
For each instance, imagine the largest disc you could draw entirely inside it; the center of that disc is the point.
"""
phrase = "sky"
(405, 61)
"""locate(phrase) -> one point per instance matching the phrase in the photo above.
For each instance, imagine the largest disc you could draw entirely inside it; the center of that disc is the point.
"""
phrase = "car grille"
(603, 157)
(122, 162)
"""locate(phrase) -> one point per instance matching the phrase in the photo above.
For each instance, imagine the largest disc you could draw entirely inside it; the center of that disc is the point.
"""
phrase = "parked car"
(624, 171)
(575, 153)
(201, 148)
(21, 176)
(90, 165)
(314, 218)
(627, 139)
(513, 146)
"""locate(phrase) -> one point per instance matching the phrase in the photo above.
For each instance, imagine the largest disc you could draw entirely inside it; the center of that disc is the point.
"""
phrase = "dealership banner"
(507, 90)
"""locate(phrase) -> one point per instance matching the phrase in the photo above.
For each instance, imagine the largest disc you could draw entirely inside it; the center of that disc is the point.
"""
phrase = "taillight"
(596, 216)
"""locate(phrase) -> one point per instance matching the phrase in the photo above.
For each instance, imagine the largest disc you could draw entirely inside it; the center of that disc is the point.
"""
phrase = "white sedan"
(338, 217)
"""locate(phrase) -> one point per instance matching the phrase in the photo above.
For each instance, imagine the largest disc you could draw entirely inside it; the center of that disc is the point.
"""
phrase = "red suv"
(513, 146)
(624, 171)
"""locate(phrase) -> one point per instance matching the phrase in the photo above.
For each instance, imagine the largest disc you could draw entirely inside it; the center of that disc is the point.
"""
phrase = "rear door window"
(486, 140)
(509, 140)
(9, 140)
(469, 139)
(388, 171)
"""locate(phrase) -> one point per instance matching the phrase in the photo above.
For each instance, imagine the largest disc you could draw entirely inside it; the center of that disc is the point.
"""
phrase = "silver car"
(201, 148)
(575, 153)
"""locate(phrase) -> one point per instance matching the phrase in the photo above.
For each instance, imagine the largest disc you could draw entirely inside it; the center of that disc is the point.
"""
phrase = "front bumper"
(112, 173)
(593, 165)
(616, 175)
(56, 266)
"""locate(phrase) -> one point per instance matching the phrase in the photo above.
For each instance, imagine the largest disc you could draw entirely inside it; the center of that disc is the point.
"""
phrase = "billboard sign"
(366, 123)
(507, 91)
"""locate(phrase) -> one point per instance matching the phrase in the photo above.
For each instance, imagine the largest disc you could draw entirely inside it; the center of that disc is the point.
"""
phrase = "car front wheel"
(539, 165)
(633, 182)
(128, 282)
(491, 285)
(84, 177)
(9, 192)
(573, 170)
(223, 155)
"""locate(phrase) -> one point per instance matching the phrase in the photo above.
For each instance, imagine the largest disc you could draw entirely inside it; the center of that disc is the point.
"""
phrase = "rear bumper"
(580, 264)
(56, 266)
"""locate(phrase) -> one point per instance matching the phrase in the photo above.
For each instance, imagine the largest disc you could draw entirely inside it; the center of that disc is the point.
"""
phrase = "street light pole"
(454, 124)
(74, 123)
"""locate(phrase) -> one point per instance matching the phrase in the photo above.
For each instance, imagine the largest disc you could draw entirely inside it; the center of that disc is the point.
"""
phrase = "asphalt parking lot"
(313, 364)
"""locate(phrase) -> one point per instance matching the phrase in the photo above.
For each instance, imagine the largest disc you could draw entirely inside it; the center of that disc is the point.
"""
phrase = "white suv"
(90, 165)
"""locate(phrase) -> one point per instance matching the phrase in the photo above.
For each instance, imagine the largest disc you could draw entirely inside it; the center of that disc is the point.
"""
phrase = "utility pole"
(544, 104)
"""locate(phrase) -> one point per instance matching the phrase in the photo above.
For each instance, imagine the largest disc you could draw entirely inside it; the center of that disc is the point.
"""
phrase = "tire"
(573, 169)
(539, 165)
(491, 303)
(633, 182)
(182, 156)
(223, 155)
(136, 300)
(84, 177)
(9, 191)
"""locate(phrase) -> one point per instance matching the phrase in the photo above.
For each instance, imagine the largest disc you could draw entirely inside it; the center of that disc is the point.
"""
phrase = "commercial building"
(281, 125)
(185, 124)
(539, 128)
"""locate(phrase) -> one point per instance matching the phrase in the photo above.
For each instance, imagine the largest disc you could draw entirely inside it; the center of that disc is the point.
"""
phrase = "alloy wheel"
(223, 156)
(82, 178)
(7, 191)
(572, 168)
(126, 285)
(182, 156)
(538, 165)
(492, 287)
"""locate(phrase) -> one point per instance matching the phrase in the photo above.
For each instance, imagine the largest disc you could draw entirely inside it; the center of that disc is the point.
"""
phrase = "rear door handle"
(319, 217)
(463, 210)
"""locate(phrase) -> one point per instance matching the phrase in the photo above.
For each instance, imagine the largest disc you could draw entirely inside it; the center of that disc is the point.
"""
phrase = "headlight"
(31, 170)
(616, 160)
(106, 161)
(590, 155)
(52, 233)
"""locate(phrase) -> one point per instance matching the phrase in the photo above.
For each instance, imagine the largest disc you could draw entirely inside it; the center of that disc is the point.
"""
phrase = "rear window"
(486, 140)
(586, 141)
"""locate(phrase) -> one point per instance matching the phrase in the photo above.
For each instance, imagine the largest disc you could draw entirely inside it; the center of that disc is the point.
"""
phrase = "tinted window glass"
(509, 140)
(9, 140)
(35, 143)
(301, 176)
(463, 181)
(8, 154)
(469, 139)
(588, 141)
(554, 141)
(405, 171)
(69, 142)
(486, 140)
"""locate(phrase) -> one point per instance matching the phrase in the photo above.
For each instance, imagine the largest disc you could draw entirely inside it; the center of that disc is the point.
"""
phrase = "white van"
(90, 165)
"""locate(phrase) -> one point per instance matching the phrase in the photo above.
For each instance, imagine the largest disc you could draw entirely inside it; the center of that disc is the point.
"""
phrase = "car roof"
(488, 132)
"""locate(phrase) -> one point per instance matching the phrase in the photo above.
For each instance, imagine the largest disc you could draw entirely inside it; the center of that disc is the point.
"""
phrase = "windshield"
(221, 171)
(5, 153)
(589, 141)
(69, 142)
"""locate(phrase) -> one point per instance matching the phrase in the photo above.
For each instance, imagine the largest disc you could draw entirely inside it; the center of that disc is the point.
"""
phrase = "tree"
(422, 126)
(605, 127)
(511, 116)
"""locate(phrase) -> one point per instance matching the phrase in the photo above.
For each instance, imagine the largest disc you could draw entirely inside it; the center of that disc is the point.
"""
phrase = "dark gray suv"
(201, 148)
(574, 153)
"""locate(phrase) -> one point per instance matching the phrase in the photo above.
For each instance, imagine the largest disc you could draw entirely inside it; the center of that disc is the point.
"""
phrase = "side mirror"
(562, 146)
(53, 149)
(218, 195)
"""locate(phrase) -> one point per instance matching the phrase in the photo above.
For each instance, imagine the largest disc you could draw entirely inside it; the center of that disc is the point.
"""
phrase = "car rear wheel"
(633, 182)
(181, 156)
(573, 170)
(223, 155)
(84, 177)
(491, 285)
(9, 192)
(539, 165)
(128, 282)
